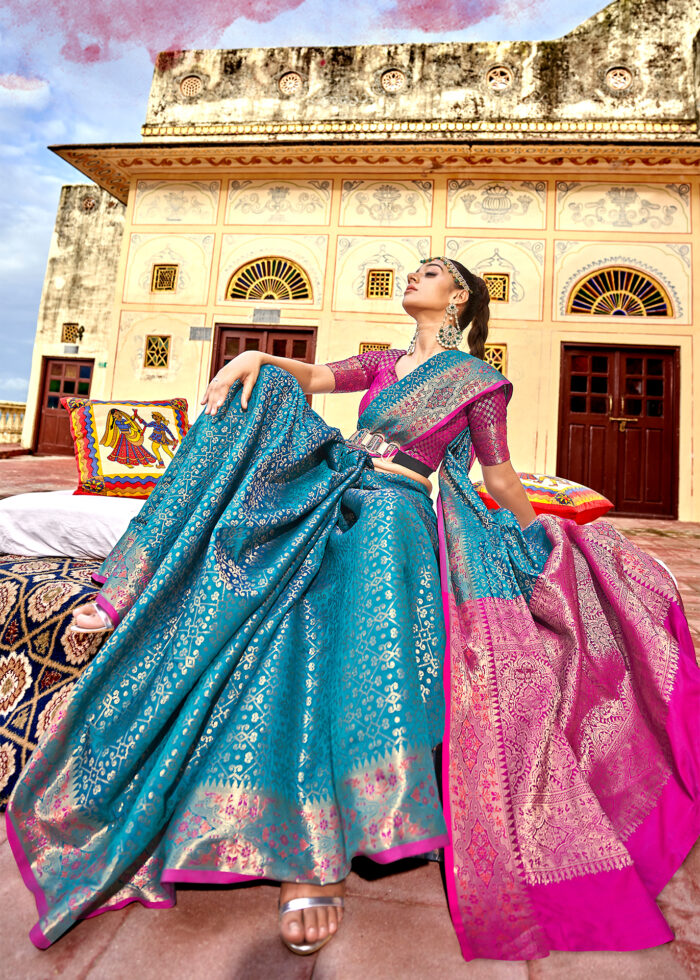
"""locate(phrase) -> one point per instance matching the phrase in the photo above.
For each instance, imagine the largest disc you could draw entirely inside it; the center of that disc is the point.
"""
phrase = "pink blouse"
(486, 416)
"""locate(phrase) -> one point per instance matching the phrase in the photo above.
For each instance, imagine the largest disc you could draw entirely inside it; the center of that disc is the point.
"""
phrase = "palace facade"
(280, 197)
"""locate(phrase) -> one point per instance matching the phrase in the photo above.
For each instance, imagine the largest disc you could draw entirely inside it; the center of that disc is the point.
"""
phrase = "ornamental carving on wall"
(497, 203)
(278, 199)
(622, 207)
(386, 203)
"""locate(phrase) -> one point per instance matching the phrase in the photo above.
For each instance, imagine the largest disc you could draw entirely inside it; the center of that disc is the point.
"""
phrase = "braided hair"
(475, 312)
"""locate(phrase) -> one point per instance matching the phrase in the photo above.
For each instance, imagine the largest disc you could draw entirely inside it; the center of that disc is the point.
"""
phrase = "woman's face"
(430, 288)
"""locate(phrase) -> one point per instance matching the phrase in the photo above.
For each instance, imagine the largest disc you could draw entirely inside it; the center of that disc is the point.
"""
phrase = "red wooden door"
(60, 378)
(233, 340)
(618, 425)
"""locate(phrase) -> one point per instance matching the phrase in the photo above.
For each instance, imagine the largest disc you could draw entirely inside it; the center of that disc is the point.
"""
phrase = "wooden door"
(60, 377)
(232, 340)
(618, 425)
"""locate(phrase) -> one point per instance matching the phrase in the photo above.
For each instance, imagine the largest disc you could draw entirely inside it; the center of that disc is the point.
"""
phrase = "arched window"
(619, 291)
(269, 278)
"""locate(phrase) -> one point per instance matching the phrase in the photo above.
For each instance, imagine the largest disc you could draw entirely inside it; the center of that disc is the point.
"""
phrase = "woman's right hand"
(245, 367)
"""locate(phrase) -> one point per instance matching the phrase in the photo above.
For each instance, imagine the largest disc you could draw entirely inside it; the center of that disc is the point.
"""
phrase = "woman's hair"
(476, 311)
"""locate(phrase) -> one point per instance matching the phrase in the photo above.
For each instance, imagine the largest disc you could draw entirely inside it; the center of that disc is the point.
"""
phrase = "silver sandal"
(315, 902)
(107, 627)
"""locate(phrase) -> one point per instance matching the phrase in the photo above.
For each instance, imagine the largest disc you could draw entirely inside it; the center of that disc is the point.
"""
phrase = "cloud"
(20, 92)
(14, 384)
(441, 15)
(99, 31)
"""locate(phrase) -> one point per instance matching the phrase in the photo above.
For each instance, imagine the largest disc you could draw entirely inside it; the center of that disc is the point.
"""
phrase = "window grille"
(380, 284)
(71, 333)
(164, 279)
(619, 291)
(373, 345)
(498, 284)
(157, 352)
(496, 356)
(269, 278)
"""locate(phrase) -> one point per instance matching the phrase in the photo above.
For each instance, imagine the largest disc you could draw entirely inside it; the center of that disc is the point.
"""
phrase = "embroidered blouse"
(373, 371)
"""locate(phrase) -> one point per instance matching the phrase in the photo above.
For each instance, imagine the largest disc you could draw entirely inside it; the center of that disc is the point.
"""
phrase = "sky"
(79, 71)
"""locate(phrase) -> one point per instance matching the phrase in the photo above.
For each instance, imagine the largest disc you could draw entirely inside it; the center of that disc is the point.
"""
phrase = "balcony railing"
(11, 421)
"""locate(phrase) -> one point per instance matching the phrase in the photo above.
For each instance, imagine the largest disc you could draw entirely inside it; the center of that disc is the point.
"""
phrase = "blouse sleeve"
(487, 425)
(356, 373)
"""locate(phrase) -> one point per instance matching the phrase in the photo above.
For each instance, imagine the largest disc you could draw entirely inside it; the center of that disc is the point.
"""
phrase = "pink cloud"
(18, 83)
(433, 16)
(91, 32)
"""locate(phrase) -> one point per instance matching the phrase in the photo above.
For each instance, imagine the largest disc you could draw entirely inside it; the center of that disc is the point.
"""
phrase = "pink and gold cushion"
(554, 495)
(116, 456)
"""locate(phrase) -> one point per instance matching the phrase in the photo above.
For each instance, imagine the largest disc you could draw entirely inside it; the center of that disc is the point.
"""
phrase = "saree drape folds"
(571, 779)
(269, 703)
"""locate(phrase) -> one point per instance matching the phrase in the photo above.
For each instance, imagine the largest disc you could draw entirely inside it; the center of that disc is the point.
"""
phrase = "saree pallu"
(268, 705)
(571, 776)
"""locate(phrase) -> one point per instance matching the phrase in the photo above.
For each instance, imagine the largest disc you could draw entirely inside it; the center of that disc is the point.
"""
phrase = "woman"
(268, 705)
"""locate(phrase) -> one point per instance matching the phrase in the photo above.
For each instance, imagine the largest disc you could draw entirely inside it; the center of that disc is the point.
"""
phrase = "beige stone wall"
(79, 286)
(543, 232)
(552, 87)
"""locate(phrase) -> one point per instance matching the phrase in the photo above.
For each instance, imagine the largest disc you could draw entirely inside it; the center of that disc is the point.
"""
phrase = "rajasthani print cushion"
(554, 495)
(122, 448)
(39, 659)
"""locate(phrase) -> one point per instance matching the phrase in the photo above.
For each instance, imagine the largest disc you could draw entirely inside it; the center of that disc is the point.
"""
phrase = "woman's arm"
(315, 379)
(506, 489)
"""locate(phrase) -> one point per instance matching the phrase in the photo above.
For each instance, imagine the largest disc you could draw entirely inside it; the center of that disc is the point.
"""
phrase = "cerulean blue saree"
(267, 707)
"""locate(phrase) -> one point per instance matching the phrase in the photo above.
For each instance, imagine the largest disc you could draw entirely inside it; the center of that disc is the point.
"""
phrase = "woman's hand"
(245, 367)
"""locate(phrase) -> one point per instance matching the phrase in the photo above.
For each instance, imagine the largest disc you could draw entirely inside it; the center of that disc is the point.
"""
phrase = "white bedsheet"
(63, 523)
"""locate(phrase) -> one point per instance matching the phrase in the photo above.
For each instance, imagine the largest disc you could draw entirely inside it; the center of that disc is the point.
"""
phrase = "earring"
(412, 345)
(449, 335)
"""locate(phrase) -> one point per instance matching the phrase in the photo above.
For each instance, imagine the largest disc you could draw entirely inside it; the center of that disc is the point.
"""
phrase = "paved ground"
(28, 474)
(397, 925)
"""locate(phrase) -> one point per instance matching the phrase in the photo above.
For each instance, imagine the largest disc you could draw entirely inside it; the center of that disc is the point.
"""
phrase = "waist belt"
(377, 445)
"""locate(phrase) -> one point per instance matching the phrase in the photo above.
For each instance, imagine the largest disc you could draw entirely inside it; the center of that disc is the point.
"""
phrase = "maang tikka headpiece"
(449, 335)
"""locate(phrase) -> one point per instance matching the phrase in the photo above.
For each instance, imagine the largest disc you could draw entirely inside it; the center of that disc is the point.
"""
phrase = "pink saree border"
(184, 876)
(412, 849)
(108, 608)
(36, 935)
(206, 876)
(100, 579)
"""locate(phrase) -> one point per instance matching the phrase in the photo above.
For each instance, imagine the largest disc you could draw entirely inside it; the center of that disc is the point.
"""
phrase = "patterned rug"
(39, 659)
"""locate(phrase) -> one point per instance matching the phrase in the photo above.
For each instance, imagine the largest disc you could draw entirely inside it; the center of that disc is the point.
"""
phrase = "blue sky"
(64, 81)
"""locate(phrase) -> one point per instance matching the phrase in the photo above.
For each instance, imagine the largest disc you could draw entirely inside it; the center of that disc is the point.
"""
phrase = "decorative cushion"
(59, 523)
(39, 659)
(122, 448)
(554, 495)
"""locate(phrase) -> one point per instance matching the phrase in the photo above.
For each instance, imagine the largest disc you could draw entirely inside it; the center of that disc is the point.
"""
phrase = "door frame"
(220, 326)
(672, 349)
(36, 426)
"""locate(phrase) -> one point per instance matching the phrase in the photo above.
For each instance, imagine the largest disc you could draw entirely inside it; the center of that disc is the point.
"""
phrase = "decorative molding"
(498, 128)
(113, 166)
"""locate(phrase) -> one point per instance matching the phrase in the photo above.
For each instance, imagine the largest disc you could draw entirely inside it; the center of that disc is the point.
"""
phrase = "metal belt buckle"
(391, 450)
(375, 442)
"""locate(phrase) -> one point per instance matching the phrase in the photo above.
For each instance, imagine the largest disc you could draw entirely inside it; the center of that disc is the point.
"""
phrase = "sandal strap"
(312, 902)
(104, 616)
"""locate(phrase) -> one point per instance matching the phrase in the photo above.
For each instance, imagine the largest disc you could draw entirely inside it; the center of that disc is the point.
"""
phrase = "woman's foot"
(310, 927)
(89, 618)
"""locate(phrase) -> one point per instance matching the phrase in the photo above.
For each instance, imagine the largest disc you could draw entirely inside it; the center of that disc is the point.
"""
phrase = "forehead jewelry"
(451, 268)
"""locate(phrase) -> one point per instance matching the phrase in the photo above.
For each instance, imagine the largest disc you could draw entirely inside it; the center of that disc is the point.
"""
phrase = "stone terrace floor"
(396, 925)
